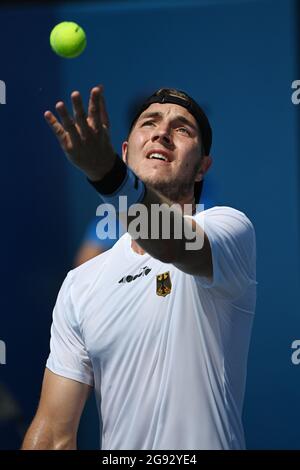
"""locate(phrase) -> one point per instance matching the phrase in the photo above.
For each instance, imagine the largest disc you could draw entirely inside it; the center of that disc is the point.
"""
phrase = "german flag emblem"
(163, 284)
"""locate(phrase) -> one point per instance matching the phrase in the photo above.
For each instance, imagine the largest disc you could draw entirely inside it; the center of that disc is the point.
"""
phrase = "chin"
(155, 182)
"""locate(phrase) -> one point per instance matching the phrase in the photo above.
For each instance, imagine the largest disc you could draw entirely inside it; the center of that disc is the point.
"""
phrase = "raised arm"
(55, 424)
(85, 140)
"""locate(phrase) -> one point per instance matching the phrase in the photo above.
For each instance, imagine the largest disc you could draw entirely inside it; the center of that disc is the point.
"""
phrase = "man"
(160, 330)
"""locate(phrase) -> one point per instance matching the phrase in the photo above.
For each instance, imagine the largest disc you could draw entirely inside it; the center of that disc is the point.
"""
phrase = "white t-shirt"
(166, 351)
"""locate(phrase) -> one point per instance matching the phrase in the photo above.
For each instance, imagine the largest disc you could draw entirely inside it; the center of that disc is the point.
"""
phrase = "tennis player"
(158, 326)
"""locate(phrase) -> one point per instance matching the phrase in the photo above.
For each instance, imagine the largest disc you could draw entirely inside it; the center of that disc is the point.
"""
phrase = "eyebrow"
(178, 117)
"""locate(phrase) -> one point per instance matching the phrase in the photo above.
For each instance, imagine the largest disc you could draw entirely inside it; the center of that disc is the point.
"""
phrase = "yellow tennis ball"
(68, 39)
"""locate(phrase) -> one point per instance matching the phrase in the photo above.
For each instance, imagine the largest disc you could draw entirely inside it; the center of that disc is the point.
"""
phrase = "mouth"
(159, 155)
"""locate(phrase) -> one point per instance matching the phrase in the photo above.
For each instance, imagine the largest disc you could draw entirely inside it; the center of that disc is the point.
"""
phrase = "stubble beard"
(174, 190)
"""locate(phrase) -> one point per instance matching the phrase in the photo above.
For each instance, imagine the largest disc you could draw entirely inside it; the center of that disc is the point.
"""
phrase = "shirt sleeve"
(232, 240)
(68, 356)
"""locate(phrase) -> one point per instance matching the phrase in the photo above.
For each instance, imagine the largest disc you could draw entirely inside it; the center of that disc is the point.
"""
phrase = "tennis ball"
(68, 39)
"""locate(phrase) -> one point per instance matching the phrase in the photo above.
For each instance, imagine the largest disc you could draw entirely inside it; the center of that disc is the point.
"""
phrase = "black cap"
(172, 95)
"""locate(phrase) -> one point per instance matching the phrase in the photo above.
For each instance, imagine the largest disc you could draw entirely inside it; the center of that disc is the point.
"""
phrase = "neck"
(191, 202)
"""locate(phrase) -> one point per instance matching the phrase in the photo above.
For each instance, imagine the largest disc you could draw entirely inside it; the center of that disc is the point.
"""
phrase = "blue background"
(238, 59)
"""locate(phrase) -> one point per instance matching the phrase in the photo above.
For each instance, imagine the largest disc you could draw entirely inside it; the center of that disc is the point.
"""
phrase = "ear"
(124, 151)
(204, 167)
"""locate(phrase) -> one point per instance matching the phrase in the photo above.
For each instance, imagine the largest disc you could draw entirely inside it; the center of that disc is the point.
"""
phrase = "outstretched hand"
(85, 138)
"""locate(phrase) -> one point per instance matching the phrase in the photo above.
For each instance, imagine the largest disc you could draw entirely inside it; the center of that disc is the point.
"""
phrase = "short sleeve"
(68, 356)
(232, 240)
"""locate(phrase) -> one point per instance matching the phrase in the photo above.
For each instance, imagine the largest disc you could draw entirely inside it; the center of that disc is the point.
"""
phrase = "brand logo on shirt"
(163, 284)
(143, 272)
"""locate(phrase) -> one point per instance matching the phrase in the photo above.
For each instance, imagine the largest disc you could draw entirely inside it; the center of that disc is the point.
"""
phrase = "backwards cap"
(171, 95)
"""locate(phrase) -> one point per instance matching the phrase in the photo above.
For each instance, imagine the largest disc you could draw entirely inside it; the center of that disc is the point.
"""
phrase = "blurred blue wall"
(237, 58)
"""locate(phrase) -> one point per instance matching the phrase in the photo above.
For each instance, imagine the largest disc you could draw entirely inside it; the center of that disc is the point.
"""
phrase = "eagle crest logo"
(163, 284)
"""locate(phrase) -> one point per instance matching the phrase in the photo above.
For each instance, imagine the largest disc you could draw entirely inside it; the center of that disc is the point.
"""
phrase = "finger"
(103, 112)
(94, 114)
(67, 122)
(58, 129)
(79, 113)
(97, 99)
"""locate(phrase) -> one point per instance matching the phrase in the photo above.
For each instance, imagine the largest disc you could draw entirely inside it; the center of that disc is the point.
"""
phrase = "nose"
(161, 133)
